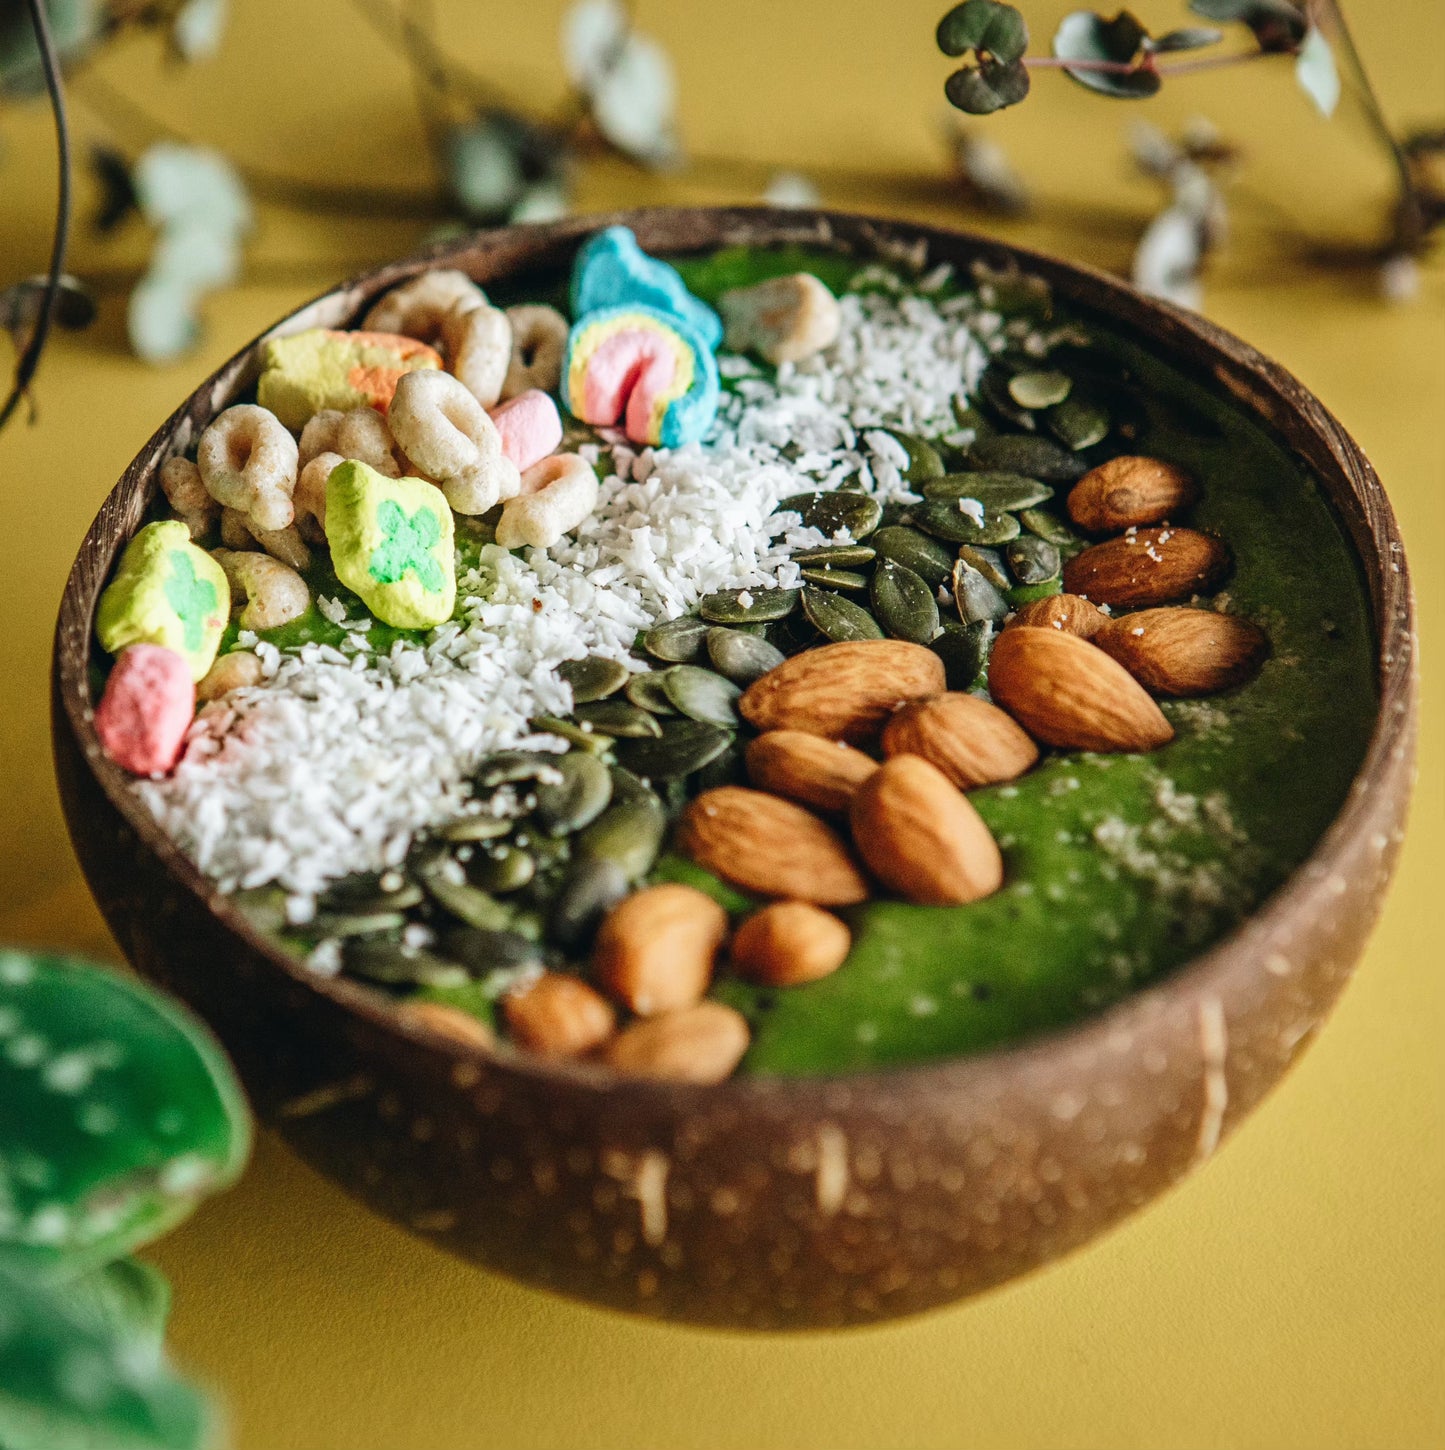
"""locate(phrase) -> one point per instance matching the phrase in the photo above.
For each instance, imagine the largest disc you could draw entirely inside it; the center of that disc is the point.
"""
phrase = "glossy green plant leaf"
(985, 27)
(989, 86)
(128, 1300)
(1094, 42)
(118, 1113)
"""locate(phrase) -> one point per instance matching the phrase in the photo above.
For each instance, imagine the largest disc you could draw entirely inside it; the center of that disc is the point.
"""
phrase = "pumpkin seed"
(1051, 527)
(368, 891)
(703, 695)
(741, 658)
(993, 393)
(967, 416)
(746, 606)
(964, 652)
(506, 869)
(683, 747)
(976, 597)
(923, 459)
(648, 691)
(1022, 594)
(844, 579)
(914, 550)
(795, 633)
(508, 767)
(997, 492)
(354, 923)
(581, 792)
(859, 513)
(263, 906)
(837, 617)
(1078, 422)
(903, 603)
(988, 562)
(620, 719)
(465, 902)
(572, 732)
(593, 678)
(1041, 389)
(835, 556)
(1039, 458)
(630, 831)
(726, 769)
(945, 520)
(592, 887)
(477, 828)
(396, 964)
(483, 951)
(1033, 560)
(677, 641)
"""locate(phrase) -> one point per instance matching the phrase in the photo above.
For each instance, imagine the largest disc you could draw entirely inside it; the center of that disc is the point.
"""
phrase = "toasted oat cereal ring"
(319, 369)
(186, 493)
(310, 498)
(148, 705)
(557, 494)
(319, 435)
(479, 349)
(539, 338)
(269, 592)
(419, 308)
(447, 434)
(247, 461)
(530, 425)
(234, 671)
(285, 544)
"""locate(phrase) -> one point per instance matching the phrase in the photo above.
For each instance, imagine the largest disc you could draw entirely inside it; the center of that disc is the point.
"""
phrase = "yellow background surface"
(1290, 1297)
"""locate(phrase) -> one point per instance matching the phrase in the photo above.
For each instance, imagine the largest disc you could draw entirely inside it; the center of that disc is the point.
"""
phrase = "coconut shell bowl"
(759, 1202)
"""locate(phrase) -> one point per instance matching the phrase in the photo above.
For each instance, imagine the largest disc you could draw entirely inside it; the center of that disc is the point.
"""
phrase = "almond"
(921, 837)
(769, 846)
(972, 742)
(1065, 692)
(788, 943)
(700, 1044)
(1185, 651)
(1071, 613)
(1128, 493)
(843, 691)
(821, 773)
(1148, 566)
(558, 1016)
(655, 949)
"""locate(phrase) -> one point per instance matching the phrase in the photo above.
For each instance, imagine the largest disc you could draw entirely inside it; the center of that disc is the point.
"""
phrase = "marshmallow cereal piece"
(186, 493)
(147, 707)
(557, 494)
(248, 462)
(166, 592)
(420, 308)
(447, 435)
(611, 270)
(530, 425)
(235, 670)
(784, 319)
(644, 370)
(539, 338)
(479, 350)
(269, 592)
(318, 369)
(391, 543)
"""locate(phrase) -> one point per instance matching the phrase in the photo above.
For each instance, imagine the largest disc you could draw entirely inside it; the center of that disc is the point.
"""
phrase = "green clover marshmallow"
(166, 592)
(391, 543)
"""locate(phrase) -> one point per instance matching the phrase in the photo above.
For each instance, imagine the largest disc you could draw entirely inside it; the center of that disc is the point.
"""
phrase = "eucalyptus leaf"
(1316, 72)
(1087, 37)
(1188, 37)
(1277, 25)
(991, 86)
(984, 26)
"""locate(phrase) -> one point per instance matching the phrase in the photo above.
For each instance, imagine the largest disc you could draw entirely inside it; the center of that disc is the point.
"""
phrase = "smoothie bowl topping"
(769, 662)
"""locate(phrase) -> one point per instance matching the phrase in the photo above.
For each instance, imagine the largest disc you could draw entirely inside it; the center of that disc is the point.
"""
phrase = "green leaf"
(1276, 24)
(1186, 38)
(128, 1300)
(988, 87)
(118, 1113)
(1316, 73)
(69, 1382)
(1087, 37)
(985, 27)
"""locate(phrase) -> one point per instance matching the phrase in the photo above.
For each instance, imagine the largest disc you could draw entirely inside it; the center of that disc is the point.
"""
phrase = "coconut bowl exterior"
(762, 1203)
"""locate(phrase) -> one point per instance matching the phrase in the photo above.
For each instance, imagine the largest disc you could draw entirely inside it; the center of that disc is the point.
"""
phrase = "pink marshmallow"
(530, 425)
(148, 705)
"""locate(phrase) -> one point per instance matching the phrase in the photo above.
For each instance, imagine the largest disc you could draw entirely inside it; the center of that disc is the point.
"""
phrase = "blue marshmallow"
(611, 270)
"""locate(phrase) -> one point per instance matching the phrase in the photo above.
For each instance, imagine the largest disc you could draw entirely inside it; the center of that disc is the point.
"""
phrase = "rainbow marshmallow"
(644, 369)
(611, 270)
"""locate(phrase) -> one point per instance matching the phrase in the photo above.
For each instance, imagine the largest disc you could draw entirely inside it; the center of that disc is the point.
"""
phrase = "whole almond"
(1148, 566)
(1068, 693)
(769, 846)
(558, 1016)
(921, 837)
(1185, 651)
(450, 1022)
(818, 772)
(700, 1044)
(655, 949)
(972, 742)
(1069, 612)
(788, 943)
(1128, 493)
(844, 691)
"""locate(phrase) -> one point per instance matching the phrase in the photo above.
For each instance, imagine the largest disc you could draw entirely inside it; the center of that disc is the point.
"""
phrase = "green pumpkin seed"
(469, 904)
(593, 678)
(988, 562)
(581, 792)
(945, 520)
(837, 617)
(976, 597)
(793, 634)
(505, 869)
(844, 579)
(1051, 527)
(477, 828)
(1042, 389)
(1039, 458)
(994, 394)
(368, 891)
(914, 550)
(726, 769)
(648, 691)
(676, 641)
(746, 606)
(592, 887)
(836, 556)
(572, 732)
(967, 416)
(923, 459)
(1022, 594)
(964, 652)
(620, 719)
(703, 695)
(630, 831)
(683, 747)
(997, 492)
(1033, 560)
(483, 951)
(353, 923)
(1078, 422)
(741, 658)
(396, 964)
(859, 513)
(903, 603)
(510, 767)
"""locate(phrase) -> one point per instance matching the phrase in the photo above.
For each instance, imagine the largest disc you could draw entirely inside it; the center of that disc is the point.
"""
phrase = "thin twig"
(29, 361)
